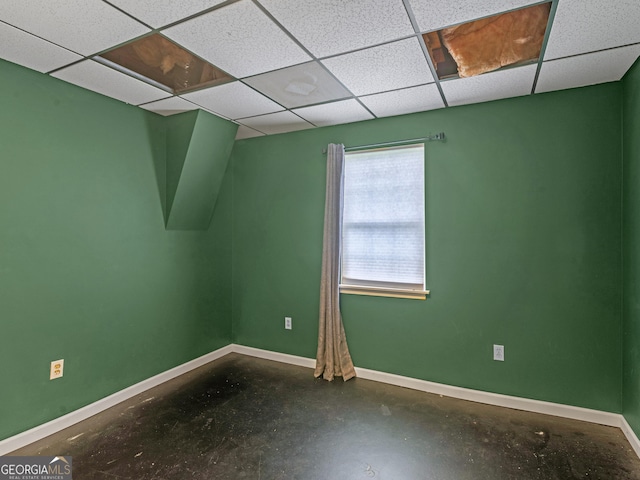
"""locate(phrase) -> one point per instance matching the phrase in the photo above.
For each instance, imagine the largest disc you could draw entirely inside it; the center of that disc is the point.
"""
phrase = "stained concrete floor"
(246, 418)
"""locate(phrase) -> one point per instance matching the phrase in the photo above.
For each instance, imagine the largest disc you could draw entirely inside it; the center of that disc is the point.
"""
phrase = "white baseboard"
(577, 413)
(275, 356)
(630, 434)
(518, 403)
(41, 431)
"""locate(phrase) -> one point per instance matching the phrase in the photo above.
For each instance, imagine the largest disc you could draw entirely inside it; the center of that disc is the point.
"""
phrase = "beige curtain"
(333, 358)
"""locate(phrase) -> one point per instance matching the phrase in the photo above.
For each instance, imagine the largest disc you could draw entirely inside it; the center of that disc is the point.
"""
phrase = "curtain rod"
(429, 138)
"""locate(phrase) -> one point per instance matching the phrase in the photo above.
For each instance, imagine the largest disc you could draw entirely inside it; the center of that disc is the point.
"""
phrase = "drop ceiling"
(298, 64)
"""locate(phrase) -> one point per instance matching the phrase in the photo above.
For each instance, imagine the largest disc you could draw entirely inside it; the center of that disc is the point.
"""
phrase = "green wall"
(88, 272)
(523, 240)
(631, 239)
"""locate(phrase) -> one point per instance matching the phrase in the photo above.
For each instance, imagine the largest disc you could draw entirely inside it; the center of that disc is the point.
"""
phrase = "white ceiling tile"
(581, 26)
(107, 81)
(335, 26)
(246, 132)
(408, 100)
(344, 111)
(233, 100)
(280, 122)
(378, 69)
(299, 85)
(159, 13)
(588, 69)
(436, 14)
(32, 52)
(240, 39)
(84, 26)
(512, 82)
(169, 106)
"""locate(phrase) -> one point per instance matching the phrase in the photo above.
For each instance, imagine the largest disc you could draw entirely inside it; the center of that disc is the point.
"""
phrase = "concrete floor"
(241, 417)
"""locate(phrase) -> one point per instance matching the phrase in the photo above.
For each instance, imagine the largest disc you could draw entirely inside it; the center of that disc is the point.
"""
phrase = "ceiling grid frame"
(547, 34)
(620, 46)
(425, 52)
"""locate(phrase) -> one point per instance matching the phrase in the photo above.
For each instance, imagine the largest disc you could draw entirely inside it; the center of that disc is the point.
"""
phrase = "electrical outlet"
(287, 323)
(57, 368)
(498, 352)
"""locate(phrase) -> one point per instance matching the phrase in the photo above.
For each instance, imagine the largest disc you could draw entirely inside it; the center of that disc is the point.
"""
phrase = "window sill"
(384, 292)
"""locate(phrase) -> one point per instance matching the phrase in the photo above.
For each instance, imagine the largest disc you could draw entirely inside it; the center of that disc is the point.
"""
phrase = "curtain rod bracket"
(437, 136)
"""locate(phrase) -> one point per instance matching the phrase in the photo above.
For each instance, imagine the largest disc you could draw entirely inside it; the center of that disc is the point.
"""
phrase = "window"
(383, 222)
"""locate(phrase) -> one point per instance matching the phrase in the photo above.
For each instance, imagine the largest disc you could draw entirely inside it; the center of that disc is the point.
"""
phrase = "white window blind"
(383, 219)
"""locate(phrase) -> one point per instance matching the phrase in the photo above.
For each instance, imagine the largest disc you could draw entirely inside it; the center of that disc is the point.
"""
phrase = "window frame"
(388, 289)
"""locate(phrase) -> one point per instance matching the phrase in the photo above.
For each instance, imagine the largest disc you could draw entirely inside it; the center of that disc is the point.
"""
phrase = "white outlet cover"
(498, 352)
(57, 369)
(287, 323)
